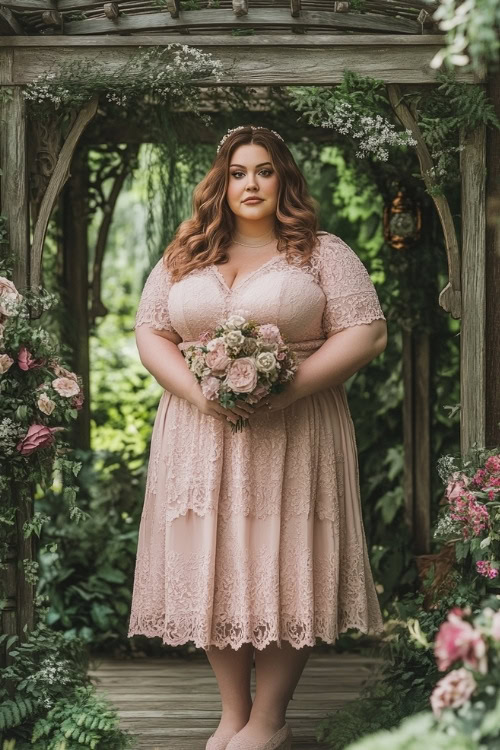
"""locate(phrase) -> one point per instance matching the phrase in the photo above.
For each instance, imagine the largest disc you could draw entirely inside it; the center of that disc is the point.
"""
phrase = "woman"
(251, 543)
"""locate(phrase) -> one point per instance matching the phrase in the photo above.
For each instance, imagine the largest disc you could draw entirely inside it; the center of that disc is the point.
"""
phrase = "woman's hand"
(277, 401)
(214, 409)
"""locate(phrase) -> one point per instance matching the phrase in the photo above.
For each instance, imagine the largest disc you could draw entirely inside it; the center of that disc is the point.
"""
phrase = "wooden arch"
(292, 43)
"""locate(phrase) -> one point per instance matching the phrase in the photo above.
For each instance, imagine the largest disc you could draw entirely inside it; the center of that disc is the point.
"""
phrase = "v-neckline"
(245, 278)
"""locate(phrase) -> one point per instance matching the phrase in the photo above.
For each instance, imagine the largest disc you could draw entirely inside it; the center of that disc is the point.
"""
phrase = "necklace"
(246, 244)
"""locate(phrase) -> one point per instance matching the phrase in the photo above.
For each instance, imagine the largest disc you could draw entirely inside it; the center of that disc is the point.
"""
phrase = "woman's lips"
(253, 200)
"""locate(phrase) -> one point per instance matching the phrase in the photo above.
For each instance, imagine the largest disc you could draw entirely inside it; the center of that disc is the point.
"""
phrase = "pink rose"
(217, 358)
(8, 296)
(26, 361)
(62, 372)
(455, 490)
(78, 400)
(66, 387)
(242, 375)
(452, 690)
(38, 436)
(210, 387)
(45, 404)
(259, 392)
(5, 363)
(270, 333)
(457, 639)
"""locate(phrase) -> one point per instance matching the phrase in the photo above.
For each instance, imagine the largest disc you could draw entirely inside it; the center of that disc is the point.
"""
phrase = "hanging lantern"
(402, 222)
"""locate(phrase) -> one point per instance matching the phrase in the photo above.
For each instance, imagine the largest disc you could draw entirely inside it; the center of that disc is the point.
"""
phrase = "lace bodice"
(334, 291)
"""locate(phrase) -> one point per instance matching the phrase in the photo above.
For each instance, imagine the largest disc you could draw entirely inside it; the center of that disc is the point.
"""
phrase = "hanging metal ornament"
(402, 221)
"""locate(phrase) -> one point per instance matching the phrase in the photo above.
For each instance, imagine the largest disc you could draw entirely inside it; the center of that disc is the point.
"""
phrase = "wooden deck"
(174, 704)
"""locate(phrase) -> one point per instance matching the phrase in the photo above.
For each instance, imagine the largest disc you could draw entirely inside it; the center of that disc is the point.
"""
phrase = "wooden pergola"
(301, 42)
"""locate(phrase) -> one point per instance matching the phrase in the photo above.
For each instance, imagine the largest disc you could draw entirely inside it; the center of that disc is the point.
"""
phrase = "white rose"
(212, 344)
(198, 366)
(235, 321)
(265, 362)
(234, 338)
(250, 345)
(46, 404)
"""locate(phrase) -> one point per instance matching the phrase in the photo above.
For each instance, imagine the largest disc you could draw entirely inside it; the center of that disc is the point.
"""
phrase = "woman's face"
(251, 174)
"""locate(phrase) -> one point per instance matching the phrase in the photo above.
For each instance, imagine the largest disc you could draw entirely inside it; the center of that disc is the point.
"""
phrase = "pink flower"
(270, 333)
(242, 375)
(259, 392)
(26, 361)
(484, 568)
(38, 436)
(457, 639)
(493, 464)
(217, 359)
(455, 489)
(495, 626)
(5, 363)
(210, 387)
(62, 372)
(8, 297)
(78, 400)
(453, 690)
(66, 387)
(45, 404)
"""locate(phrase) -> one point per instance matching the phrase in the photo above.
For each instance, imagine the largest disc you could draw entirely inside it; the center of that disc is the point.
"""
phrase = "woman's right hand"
(213, 408)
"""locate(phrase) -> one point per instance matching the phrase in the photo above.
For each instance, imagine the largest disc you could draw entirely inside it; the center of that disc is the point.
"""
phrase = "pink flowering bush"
(470, 514)
(39, 398)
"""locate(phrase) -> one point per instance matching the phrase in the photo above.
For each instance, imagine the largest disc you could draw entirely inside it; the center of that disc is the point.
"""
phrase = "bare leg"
(232, 668)
(278, 671)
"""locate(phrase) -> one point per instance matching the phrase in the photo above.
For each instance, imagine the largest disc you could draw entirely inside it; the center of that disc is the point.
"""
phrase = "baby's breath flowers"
(373, 133)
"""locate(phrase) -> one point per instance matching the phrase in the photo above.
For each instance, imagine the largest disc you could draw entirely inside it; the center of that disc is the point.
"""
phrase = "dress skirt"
(254, 536)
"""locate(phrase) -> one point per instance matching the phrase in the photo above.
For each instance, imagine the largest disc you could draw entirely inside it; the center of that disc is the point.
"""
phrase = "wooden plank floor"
(174, 704)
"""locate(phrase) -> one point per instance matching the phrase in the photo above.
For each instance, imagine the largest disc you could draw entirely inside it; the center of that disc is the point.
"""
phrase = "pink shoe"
(219, 742)
(282, 740)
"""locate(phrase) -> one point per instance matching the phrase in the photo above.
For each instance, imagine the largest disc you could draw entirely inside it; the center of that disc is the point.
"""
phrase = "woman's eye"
(269, 171)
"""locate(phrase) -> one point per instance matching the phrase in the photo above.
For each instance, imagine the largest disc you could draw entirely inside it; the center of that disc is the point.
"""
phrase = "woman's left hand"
(277, 401)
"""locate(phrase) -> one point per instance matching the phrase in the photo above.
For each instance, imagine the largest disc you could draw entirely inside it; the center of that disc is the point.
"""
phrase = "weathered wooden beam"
(450, 297)
(31, 4)
(240, 8)
(174, 8)
(53, 20)
(57, 180)
(473, 328)
(421, 443)
(258, 18)
(9, 24)
(274, 60)
(111, 10)
(295, 8)
(493, 270)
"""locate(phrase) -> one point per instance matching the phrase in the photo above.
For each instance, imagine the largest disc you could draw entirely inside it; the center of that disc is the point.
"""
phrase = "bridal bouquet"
(241, 360)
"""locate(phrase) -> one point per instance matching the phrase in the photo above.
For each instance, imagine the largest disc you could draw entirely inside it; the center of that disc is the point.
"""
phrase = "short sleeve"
(153, 304)
(351, 298)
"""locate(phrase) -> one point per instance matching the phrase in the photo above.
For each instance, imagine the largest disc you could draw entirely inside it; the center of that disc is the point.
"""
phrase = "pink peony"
(457, 639)
(210, 387)
(66, 387)
(484, 568)
(452, 690)
(38, 436)
(455, 489)
(8, 296)
(217, 359)
(26, 361)
(242, 375)
(5, 363)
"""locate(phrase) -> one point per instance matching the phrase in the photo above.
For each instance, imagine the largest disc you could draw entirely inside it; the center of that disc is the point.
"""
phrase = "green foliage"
(82, 720)
(415, 733)
(13, 712)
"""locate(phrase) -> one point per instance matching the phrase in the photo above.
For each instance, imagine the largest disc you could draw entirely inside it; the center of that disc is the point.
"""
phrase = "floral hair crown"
(241, 127)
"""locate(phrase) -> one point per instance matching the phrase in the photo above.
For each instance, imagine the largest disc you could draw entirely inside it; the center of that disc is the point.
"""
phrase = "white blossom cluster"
(374, 134)
(10, 434)
(446, 527)
(51, 672)
(44, 88)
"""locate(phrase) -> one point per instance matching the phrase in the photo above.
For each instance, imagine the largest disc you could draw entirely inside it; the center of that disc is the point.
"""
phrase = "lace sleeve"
(351, 298)
(153, 305)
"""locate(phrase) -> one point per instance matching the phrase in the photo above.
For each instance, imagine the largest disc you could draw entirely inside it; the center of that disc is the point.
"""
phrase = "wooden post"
(76, 283)
(14, 205)
(473, 329)
(492, 395)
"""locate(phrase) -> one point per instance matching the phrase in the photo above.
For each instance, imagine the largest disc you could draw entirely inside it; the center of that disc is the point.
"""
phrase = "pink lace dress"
(257, 536)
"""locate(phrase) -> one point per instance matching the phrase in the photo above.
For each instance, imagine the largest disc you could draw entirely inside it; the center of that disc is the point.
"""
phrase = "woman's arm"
(163, 359)
(342, 354)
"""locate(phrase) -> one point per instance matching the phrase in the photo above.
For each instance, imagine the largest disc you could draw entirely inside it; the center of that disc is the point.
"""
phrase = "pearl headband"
(240, 127)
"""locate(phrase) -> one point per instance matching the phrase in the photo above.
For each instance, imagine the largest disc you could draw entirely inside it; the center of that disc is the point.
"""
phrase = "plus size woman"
(251, 543)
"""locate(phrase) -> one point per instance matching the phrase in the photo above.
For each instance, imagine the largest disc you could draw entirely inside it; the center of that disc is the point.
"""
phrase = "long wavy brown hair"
(204, 238)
